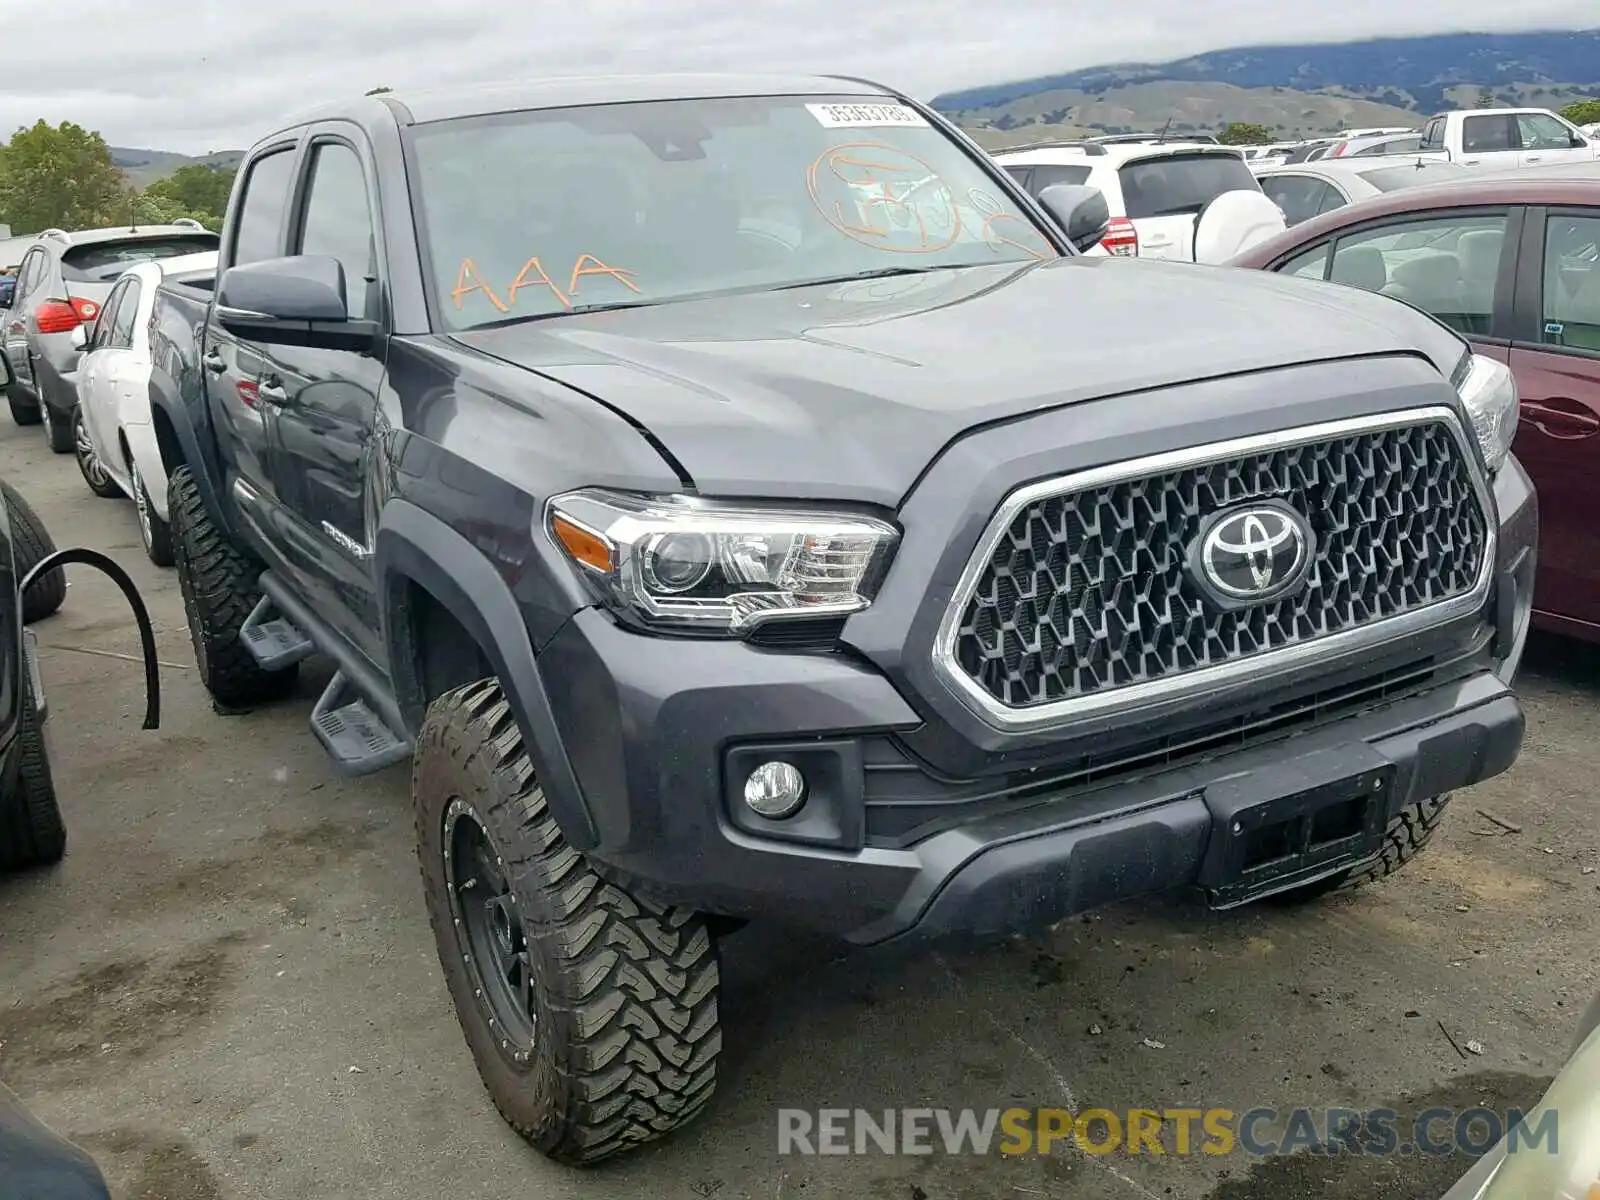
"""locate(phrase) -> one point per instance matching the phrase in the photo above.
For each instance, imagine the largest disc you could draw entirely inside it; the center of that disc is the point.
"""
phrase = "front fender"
(414, 546)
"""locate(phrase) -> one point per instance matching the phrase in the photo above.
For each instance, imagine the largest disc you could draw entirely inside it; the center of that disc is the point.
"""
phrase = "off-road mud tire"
(32, 833)
(1410, 830)
(624, 989)
(30, 544)
(219, 591)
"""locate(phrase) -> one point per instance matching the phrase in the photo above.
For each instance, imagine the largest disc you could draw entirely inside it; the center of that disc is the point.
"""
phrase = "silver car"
(1307, 189)
(63, 280)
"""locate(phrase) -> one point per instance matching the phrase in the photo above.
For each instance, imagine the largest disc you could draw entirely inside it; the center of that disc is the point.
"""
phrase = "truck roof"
(420, 106)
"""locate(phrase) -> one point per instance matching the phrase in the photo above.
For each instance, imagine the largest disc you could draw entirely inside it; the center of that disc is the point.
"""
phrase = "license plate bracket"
(1293, 823)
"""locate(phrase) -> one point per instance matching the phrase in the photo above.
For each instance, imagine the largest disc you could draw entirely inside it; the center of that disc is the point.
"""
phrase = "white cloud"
(215, 74)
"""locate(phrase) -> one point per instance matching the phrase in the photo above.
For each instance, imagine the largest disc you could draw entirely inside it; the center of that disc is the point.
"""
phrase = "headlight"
(684, 562)
(1490, 395)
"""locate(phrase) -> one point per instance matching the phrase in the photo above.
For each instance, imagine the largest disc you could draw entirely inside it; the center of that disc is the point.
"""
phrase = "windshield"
(535, 214)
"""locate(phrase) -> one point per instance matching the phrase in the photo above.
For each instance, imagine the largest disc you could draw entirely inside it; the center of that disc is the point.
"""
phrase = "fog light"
(775, 790)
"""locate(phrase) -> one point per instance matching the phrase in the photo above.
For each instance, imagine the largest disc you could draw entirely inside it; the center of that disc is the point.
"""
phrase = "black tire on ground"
(155, 533)
(32, 833)
(23, 410)
(30, 544)
(1410, 831)
(89, 465)
(219, 590)
(57, 432)
(623, 1044)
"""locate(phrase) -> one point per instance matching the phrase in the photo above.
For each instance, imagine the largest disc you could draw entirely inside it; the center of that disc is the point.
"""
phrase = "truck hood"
(849, 391)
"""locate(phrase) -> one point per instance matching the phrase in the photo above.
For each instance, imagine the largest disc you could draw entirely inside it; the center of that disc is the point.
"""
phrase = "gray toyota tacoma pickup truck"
(739, 499)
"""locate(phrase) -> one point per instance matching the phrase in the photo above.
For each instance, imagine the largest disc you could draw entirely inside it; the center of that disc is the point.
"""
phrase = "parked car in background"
(1306, 190)
(1374, 145)
(1505, 137)
(1310, 151)
(1163, 197)
(1511, 262)
(63, 280)
(118, 447)
(1153, 139)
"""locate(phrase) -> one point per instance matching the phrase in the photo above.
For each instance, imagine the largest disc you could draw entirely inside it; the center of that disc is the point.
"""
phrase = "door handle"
(214, 362)
(1533, 158)
(273, 394)
(1559, 423)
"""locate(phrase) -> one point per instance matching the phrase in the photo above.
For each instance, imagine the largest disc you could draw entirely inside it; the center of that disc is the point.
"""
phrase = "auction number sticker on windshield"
(856, 116)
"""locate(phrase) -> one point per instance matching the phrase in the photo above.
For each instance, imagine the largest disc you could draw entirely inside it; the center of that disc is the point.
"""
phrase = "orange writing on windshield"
(857, 184)
(533, 274)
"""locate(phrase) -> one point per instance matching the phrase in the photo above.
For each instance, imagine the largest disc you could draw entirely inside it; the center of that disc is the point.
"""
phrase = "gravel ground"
(229, 989)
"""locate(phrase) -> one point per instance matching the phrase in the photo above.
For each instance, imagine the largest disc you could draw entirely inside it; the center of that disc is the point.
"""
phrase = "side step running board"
(349, 717)
(273, 641)
(354, 736)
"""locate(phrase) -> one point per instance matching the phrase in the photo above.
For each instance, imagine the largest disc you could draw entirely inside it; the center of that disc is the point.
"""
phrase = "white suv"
(1177, 200)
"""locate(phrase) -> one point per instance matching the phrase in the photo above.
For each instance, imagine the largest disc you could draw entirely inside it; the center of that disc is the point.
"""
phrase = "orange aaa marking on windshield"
(533, 274)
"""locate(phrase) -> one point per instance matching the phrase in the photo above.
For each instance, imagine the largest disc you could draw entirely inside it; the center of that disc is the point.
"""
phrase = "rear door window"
(1299, 196)
(1181, 183)
(1445, 265)
(1572, 283)
(1487, 134)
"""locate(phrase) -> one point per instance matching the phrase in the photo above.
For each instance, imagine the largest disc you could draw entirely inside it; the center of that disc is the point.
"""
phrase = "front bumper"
(661, 751)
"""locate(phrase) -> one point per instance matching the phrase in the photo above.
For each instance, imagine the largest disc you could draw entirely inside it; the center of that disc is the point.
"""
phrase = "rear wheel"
(31, 544)
(32, 833)
(1409, 832)
(155, 533)
(219, 592)
(591, 1012)
(89, 465)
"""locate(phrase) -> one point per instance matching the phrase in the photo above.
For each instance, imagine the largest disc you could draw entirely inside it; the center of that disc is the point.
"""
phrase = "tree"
(1485, 98)
(377, 91)
(1582, 112)
(59, 177)
(195, 189)
(1244, 133)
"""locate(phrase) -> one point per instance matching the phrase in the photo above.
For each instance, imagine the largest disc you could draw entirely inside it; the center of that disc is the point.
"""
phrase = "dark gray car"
(63, 279)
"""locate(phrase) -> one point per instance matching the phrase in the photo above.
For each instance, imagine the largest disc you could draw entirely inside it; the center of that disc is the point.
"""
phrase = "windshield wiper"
(875, 273)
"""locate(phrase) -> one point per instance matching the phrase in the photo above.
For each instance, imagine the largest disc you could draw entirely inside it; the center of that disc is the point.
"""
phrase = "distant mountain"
(144, 167)
(1409, 73)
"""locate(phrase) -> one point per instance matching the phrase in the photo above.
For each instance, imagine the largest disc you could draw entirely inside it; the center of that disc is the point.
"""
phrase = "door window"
(1331, 199)
(1541, 131)
(1299, 196)
(1312, 264)
(1571, 317)
(266, 200)
(107, 319)
(127, 312)
(338, 222)
(1482, 135)
(28, 277)
(1447, 266)
(1049, 176)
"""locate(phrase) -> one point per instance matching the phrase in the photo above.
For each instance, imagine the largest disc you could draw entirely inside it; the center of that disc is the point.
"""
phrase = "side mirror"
(1080, 211)
(296, 301)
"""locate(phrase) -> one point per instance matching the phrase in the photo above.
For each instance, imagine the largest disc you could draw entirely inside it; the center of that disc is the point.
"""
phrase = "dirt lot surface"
(229, 989)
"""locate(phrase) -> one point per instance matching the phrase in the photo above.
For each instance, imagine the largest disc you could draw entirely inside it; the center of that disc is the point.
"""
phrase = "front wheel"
(591, 1012)
(90, 466)
(31, 544)
(32, 833)
(1410, 830)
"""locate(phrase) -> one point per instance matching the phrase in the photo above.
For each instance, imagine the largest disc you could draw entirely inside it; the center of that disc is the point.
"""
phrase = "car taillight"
(1121, 238)
(87, 310)
(56, 316)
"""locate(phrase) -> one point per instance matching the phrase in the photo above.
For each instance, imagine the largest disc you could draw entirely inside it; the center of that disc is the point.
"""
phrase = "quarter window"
(338, 222)
(1571, 316)
(1447, 266)
(266, 199)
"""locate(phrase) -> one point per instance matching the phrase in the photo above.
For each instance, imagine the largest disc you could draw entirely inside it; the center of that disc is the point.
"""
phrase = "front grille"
(1087, 589)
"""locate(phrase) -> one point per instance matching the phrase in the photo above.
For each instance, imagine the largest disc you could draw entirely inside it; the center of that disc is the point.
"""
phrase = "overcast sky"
(210, 74)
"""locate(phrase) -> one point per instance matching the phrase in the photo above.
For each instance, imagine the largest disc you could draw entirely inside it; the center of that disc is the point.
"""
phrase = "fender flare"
(202, 466)
(414, 545)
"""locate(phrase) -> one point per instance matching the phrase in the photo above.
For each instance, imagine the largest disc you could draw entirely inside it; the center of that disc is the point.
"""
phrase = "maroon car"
(1512, 262)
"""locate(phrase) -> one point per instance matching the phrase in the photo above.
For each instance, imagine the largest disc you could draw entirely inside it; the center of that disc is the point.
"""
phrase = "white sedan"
(116, 440)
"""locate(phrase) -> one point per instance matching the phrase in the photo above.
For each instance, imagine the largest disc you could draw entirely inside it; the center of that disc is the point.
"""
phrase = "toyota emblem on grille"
(1253, 554)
